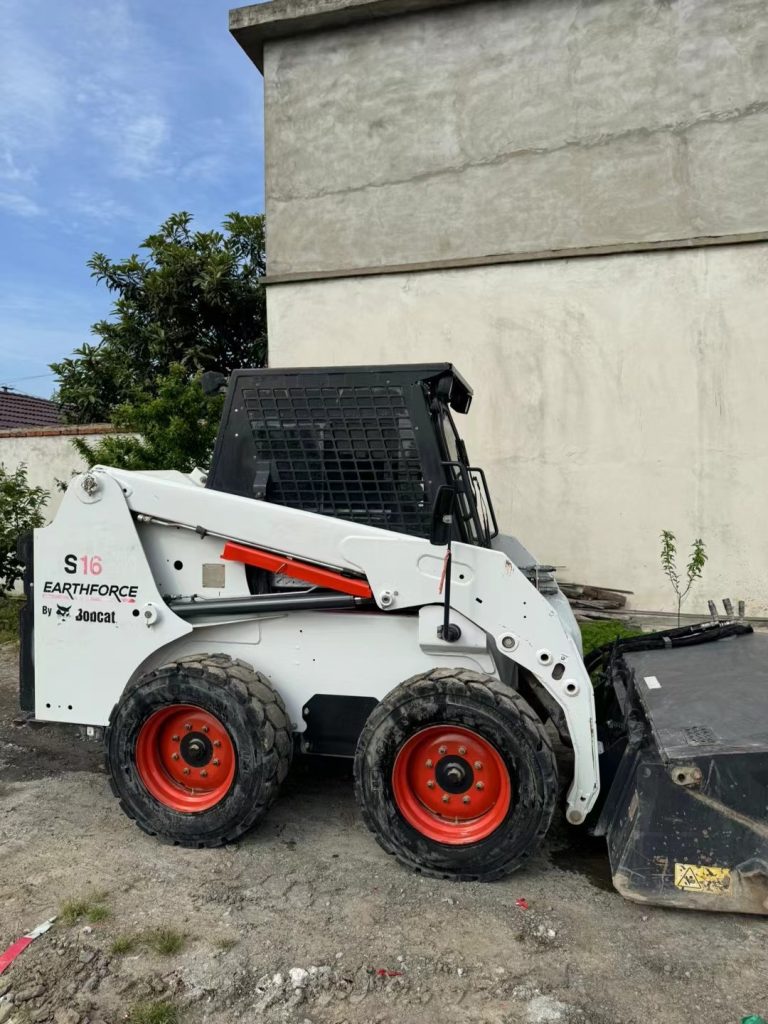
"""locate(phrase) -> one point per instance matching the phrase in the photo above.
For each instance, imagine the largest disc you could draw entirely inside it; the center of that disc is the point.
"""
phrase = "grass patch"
(9, 619)
(165, 941)
(596, 633)
(154, 1013)
(124, 944)
(72, 911)
(92, 910)
(98, 913)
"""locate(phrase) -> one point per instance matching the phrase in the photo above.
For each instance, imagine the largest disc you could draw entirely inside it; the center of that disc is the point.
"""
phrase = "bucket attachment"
(686, 816)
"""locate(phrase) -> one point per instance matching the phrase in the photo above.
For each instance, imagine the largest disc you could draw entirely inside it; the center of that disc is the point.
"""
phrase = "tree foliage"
(693, 570)
(193, 299)
(21, 510)
(173, 428)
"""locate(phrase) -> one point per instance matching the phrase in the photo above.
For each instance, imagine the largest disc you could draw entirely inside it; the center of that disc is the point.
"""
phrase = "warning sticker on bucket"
(695, 878)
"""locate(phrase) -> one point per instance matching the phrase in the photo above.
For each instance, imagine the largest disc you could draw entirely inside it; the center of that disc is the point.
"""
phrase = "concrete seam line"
(427, 266)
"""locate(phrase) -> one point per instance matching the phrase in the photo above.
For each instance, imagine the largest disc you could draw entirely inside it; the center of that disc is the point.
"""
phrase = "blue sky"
(112, 115)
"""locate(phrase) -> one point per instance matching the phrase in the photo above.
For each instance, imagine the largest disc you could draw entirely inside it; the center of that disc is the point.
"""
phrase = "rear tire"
(423, 743)
(196, 750)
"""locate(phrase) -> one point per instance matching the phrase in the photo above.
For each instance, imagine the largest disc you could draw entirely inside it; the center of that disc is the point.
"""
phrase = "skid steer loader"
(337, 583)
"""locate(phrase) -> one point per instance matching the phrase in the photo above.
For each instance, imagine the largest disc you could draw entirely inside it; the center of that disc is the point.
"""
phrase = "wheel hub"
(451, 784)
(196, 749)
(185, 758)
(454, 774)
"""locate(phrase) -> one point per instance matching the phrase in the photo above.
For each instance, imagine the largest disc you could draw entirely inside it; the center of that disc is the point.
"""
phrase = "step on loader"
(337, 584)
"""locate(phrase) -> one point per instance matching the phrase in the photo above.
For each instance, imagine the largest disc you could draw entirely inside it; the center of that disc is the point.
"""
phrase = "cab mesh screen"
(347, 451)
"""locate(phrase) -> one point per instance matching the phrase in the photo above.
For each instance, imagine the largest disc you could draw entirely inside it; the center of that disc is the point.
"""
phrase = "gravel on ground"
(308, 921)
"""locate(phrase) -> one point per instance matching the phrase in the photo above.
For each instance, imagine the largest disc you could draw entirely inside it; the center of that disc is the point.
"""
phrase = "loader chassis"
(336, 583)
(82, 667)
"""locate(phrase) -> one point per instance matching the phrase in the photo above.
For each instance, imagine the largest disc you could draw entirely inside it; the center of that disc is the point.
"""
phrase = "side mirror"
(442, 515)
(212, 382)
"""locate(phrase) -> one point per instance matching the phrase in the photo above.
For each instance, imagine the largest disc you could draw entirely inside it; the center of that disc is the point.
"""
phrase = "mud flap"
(686, 818)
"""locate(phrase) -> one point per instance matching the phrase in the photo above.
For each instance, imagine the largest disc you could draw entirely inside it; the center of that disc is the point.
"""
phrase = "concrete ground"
(307, 920)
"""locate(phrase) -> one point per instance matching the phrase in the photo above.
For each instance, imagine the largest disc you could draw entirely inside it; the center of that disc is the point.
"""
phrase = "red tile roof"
(26, 411)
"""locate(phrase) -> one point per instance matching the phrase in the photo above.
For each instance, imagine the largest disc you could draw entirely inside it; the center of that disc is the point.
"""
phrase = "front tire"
(456, 777)
(196, 750)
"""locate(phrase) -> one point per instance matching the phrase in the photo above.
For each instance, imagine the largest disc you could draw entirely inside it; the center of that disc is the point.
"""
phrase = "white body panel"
(81, 663)
(327, 652)
(84, 665)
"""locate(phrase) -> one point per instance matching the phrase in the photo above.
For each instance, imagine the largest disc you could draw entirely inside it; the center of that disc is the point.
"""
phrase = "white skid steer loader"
(337, 584)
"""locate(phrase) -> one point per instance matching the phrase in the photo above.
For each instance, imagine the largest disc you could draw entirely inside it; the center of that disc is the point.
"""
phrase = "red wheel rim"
(451, 785)
(185, 758)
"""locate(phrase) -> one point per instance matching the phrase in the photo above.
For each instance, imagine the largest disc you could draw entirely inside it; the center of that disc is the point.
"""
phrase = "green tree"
(172, 428)
(693, 569)
(21, 510)
(193, 299)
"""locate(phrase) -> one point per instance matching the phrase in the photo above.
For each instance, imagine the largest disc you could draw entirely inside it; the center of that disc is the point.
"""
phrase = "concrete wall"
(615, 397)
(48, 454)
(514, 126)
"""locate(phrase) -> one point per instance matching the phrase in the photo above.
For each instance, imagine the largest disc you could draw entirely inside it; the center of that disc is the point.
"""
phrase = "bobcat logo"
(62, 612)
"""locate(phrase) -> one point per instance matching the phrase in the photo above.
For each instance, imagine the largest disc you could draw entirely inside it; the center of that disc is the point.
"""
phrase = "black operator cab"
(370, 444)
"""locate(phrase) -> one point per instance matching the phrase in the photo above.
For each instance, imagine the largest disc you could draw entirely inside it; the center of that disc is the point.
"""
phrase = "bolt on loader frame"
(336, 582)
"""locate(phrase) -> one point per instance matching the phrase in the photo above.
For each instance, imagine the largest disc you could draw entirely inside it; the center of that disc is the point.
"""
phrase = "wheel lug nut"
(446, 798)
(430, 784)
(188, 726)
(205, 728)
(478, 765)
(203, 774)
(217, 743)
(186, 771)
(466, 800)
(216, 762)
(428, 762)
(480, 785)
(443, 750)
(462, 750)
(175, 757)
(175, 739)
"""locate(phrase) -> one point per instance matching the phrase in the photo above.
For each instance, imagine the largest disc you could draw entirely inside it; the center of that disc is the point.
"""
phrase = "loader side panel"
(327, 695)
(97, 610)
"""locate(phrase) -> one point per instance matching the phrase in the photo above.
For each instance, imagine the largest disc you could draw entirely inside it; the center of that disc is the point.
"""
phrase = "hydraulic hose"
(682, 636)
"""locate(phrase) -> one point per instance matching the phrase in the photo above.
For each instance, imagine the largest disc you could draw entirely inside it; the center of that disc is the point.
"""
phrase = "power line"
(18, 380)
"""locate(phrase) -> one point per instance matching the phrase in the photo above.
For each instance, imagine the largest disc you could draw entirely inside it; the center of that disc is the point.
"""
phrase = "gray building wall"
(614, 397)
(432, 167)
(516, 126)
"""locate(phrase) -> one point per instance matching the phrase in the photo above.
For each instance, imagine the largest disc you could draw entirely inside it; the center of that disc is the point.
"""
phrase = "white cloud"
(78, 83)
(104, 115)
(97, 206)
(19, 203)
(11, 171)
(140, 149)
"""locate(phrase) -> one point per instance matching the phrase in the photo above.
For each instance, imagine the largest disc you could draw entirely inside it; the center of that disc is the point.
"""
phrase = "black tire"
(253, 715)
(502, 718)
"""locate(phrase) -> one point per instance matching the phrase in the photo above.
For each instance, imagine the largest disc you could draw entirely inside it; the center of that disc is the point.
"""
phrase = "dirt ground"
(308, 921)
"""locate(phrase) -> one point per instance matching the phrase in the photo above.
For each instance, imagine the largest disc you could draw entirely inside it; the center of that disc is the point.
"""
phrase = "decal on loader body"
(120, 592)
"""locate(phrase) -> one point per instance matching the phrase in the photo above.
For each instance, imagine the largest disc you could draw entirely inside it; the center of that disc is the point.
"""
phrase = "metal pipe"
(189, 608)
